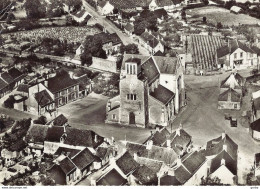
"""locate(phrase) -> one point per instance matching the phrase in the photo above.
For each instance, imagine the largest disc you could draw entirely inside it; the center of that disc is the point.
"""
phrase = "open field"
(71, 34)
(218, 14)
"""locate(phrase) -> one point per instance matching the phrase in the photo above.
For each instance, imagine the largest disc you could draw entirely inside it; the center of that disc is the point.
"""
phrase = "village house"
(222, 155)
(231, 92)
(165, 4)
(81, 16)
(257, 165)
(254, 129)
(104, 7)
(151, 43)
(236, 55)
(255, 106)
(151, 91)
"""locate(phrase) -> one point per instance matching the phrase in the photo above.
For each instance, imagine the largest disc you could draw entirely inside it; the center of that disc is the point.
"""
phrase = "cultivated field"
(203, 49)
(71, 34)
(217, 14)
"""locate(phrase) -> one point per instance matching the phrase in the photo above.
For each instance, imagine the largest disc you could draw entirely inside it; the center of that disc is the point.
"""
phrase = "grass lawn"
(218, 14)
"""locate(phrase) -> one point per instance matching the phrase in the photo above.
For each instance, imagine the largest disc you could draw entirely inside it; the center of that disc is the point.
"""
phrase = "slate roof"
(107, 38)
(222, 51)
(23, 88)
(60, 83)
(67, 165)
(183, 140)
(182, 175)
(7, 78)
(84, 159)
(127, 163)
(169, 180)
(230, 163)
(235, 96)
(256, 50)
(166, 155)
(54, 134)
(162, 94)
(3, 84)
(15, 73)
(36, 133)
(70, 152)
(255, 126)
(150, 71)
(216, 146)
(112, 178)
(85, 138)
(145, 176)
(154, 165)
(43, 98)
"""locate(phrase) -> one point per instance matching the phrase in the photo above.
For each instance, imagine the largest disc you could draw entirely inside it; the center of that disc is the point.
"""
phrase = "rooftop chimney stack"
(223, 135)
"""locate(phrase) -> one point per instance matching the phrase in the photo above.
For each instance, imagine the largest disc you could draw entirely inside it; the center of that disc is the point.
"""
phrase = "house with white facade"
(104, 7)
(236, 55)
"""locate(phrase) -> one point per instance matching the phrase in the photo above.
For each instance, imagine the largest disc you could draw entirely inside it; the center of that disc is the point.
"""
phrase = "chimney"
(225, 147)
(92, 182)
(46, 83)
(178, 132)
(109, 105)
(149, 145)
(96, 138)
(157, 129)
(168, 143)
(135, 156)
(112, 140)
(171, 172)
(178, 161)
(151, 133)
(223, 135)
(223, 162)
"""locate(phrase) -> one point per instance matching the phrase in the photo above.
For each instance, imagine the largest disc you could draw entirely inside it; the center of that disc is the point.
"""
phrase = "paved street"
(112, 28)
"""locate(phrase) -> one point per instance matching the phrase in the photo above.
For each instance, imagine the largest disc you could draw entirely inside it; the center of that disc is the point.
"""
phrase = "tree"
(211, 181)
(204, 19)
(42, 120)
(129, 49)
(2, 125)
(219, 25)
(55, 9)
(35, 9)
(254, 72)
(9, 18)
(183, 14)
(9, 103)
(75, 4)
(206, 2)
(1, 41)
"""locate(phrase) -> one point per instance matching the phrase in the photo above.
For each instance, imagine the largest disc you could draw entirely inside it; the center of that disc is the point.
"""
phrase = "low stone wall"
(103, 64)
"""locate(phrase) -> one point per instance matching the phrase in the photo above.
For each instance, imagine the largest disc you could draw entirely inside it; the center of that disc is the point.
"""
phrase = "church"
(151, 91)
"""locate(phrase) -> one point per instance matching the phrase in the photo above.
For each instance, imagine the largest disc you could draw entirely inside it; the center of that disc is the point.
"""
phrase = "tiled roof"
(182, 175)
(7, 78)
(216, 146)
(61, 82)
(112, 178)
(70, 152)
(145, 176)
(127, 163)
(77, 137)
(23, 88)
(36, 133)
(166, 155)
(256, 50)
(194, 161)
(169, 180)
(230, 163)
(235, 96)
(183, 140)
(54, 134)
(166, 65)
(67, 166)
(234, 80)
(154, 165)
(162, 94)
(222, 51)
(235, 44)
(43, 98)
(150, 71)
(150, 39)
(123, 4)
(60, 120)
(129, 27)
(256, 103)
(107, 38)
(255, 125)
(84, 159)
(3, 84)
(159, 137)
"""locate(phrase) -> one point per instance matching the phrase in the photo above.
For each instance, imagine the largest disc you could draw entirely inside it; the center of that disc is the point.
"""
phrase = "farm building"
(231, 92)
(236, 9)
(255, 129)
(203, 49)
(236, 55)
(105, 7)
